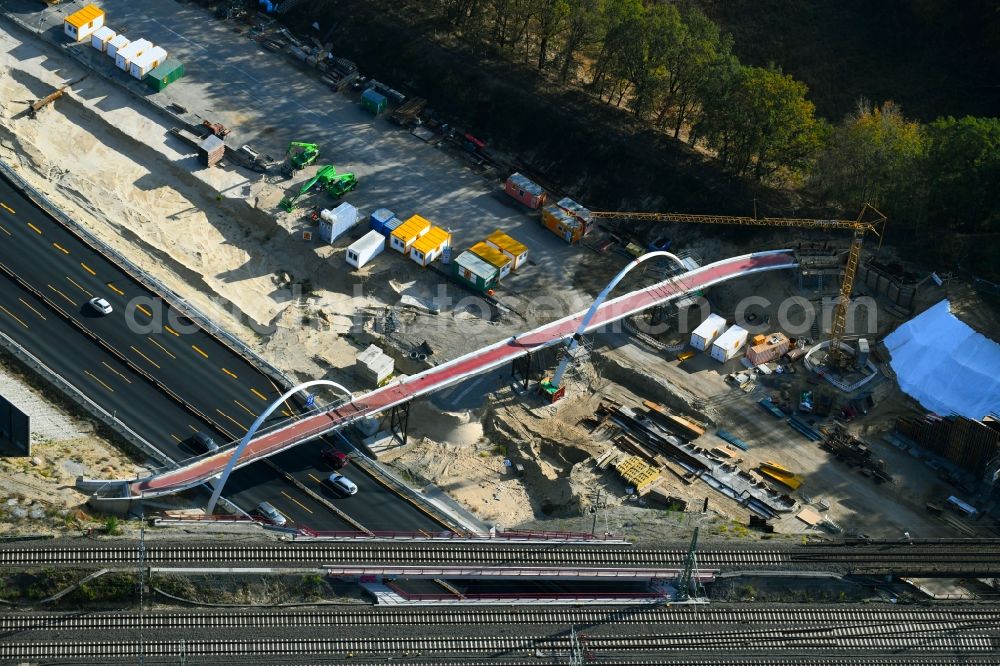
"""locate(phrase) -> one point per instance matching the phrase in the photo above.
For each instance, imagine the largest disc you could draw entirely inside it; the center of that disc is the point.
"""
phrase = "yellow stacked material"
(778, 473)
(637, 472)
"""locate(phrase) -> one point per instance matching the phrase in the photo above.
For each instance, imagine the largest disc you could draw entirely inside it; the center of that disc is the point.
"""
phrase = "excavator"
(336, 185)
(300, 155)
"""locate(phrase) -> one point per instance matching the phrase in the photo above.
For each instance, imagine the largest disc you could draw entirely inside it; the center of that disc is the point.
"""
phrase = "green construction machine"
(300, 155)
(336, 185)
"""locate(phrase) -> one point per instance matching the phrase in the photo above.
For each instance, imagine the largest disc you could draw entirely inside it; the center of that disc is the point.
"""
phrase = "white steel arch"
(574, 342)
(210, 507)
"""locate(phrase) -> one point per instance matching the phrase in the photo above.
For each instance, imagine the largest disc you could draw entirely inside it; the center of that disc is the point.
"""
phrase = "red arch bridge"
(395, 393)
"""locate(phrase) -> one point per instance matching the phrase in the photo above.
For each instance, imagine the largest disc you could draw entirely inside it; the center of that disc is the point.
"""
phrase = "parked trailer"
(99, 40)
(365, 249)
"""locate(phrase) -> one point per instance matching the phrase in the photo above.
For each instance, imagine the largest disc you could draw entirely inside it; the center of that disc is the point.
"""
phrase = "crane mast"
(859, 227)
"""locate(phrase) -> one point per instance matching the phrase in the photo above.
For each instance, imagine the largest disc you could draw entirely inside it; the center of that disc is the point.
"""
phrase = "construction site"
(362, 239)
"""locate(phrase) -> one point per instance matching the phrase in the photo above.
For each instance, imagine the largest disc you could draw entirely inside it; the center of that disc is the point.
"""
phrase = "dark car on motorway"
(335, 458)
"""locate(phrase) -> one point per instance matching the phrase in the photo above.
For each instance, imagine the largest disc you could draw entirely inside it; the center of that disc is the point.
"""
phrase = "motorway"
(462, 368)
(159, 374)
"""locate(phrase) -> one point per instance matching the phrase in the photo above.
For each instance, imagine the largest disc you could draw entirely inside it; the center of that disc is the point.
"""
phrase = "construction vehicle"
(218, 129)
(336, 185)
(341, 184)
(300, 155)
(40, 104)
(323, 176)
(875, 224)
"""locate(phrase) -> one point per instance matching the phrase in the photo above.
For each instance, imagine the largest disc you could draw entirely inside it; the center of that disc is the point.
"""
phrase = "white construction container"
(147, 62)
(334, 223)
(116, 44)
(99, 40)
(127, 54)
(729, 343)
(365, 249)
(707, 331)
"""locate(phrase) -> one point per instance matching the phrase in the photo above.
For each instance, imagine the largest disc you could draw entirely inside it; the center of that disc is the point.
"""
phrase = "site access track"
(459, 369)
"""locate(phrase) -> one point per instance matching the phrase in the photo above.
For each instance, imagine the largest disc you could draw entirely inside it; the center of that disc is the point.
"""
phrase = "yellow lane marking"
(314, 478)
(4, 229)
(245, 408)
(230, 373)
(162, 348)
(153, 363)
(60, 248)
(199, 351)
(88, 268)
(291, 412)
(115, 289)
(28, 305)
(8, 208)
(285, 412)
(34, 227)
(179, 440)
(14, 316)
(303, 506)
(127, 380)
(98, 380)
(75, 284)
(71, 301)
(192, 427)
(258, 394)
(168, 329)
(232, 419)
(143, 310)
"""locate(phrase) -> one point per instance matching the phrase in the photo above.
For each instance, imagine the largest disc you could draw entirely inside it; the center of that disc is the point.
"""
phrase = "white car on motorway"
(342, 485)
(101, 305)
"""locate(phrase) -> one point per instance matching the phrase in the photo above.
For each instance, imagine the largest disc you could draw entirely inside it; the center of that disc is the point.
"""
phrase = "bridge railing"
(556, 597)
(450, 535)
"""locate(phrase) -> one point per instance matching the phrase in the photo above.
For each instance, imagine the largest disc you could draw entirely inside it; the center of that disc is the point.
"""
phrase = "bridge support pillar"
(521, 367)
(399, 421)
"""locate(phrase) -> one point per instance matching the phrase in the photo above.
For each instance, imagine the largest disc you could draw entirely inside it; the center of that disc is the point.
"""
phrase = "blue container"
(391, 225)
(379, 219)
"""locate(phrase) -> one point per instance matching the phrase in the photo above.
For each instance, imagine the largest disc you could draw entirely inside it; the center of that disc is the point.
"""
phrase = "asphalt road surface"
(130, 360)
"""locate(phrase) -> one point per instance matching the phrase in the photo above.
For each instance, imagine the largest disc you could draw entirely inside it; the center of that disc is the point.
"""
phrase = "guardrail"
(449, 535)
(65, 387)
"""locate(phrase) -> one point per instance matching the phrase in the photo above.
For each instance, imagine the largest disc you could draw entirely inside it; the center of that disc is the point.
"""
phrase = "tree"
(552, 17)
(874, 156)
(582, 26)
(759, 120)
(963, 173)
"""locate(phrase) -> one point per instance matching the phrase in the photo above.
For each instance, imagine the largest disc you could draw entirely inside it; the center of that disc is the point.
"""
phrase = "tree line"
(674, 68)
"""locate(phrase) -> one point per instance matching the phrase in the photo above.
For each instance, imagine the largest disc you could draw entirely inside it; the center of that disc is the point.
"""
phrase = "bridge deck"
(461, 368)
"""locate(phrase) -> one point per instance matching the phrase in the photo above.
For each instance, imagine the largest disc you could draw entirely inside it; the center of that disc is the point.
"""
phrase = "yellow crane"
(868, 220)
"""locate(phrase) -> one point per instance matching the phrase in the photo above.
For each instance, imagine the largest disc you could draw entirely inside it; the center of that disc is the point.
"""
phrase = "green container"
(165, 74)
(373, 102)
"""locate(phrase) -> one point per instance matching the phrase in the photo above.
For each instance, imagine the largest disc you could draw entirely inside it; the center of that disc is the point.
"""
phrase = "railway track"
(652, 647)
(978, 559)
(830, 617)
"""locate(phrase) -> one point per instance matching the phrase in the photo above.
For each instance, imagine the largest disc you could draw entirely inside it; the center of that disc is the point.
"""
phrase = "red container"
(528, 192)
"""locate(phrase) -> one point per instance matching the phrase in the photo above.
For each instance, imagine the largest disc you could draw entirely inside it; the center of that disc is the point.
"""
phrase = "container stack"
(126, 54)
(475, 272)
(528, 192)
(373, 102)
(365, 249)
(516, 250)
(381, 219)
(707, 331)
(406, 234)
(335, 223)
(81, 24)
(147, 62)
(99, 40)
(430, 246)
(115, 44)
(373, 366)
(729, 344)
(766, 348)
(165, 74)
(493, 257)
